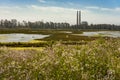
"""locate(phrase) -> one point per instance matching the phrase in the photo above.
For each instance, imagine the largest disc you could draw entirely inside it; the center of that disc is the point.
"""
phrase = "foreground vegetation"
(96, 60)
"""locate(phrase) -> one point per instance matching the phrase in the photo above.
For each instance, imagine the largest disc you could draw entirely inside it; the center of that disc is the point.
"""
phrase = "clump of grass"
(24, 44)
(97, 60)
(26, 48)
(67, 37)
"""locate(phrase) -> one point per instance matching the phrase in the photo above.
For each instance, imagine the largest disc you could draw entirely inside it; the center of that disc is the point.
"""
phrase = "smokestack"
(78, 18)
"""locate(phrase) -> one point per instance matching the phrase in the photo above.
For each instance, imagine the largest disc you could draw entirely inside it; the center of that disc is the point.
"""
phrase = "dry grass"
(27, 48)
(97, 60)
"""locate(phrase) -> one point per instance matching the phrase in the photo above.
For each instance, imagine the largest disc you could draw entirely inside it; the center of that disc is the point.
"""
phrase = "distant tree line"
(97, 27)
(13, 23)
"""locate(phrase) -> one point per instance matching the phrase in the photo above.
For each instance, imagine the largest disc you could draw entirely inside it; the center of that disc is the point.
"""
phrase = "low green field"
(96, 60)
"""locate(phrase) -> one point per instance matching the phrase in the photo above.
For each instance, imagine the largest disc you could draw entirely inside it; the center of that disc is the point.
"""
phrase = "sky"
(93, 11)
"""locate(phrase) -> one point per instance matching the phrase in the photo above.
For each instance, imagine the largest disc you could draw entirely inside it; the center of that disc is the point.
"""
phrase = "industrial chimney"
(78, 18)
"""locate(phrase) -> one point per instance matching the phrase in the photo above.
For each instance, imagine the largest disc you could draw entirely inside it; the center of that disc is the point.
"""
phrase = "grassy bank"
(24, 44)
(38, 43)
(35, 31)
(67, 37)
(96, 60)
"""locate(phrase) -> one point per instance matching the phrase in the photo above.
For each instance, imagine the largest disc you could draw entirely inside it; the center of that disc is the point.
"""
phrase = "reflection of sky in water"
(20, 37)
(101, 33)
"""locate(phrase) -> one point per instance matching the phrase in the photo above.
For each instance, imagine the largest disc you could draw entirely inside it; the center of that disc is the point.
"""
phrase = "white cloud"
(11, 7)
(56, 14)
(42, 1)
(5, 12)
(117, 9)
(96, 18)
(70, 3)
(106, 9)
(92, 7)
(59, 14)
(51, 9)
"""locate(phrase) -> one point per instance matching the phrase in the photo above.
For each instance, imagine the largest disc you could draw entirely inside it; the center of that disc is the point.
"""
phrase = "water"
(20, 37)
(114, 34)
(68, 32)
(28, 37)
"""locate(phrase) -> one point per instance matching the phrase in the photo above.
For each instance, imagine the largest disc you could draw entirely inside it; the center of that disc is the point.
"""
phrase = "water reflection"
(114, 34)
(20, 37)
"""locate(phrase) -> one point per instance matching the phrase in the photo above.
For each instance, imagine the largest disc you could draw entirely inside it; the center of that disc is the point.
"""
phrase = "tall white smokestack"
(78, 18)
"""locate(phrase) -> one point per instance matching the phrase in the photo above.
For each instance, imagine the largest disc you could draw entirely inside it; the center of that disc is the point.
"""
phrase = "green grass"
(67, 37)
(26, 48)
(96, 60)
(24, 44)
(34, 31)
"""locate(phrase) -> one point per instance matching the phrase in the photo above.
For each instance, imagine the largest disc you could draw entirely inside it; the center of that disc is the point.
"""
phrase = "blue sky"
(93, 11)
(61, 3)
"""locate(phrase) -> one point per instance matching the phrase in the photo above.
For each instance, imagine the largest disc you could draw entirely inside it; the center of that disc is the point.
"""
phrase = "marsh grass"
(24, 44)
(26, 48)
(96, 60)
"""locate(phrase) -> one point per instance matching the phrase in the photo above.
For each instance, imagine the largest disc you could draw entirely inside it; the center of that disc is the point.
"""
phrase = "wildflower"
(119, 49)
